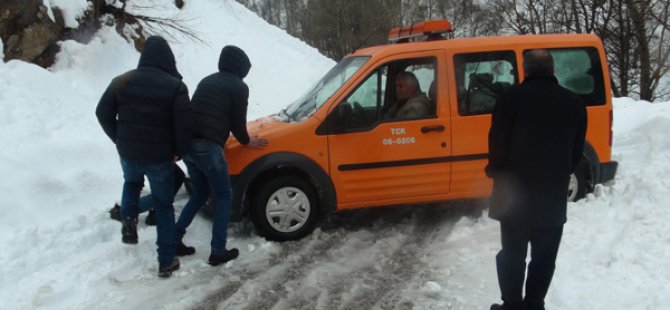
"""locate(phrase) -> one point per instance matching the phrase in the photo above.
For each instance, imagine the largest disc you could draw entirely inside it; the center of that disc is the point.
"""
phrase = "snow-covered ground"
(61, 174)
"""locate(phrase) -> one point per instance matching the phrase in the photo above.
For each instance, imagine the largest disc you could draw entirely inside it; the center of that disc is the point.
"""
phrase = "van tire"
(578, 185)
(296, 213)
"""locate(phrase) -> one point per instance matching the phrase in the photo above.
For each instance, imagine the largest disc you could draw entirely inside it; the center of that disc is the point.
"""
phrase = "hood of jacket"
(234, 60)
(157, 53)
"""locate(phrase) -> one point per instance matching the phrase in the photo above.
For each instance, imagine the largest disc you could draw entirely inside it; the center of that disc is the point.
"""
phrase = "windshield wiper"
(283, 112)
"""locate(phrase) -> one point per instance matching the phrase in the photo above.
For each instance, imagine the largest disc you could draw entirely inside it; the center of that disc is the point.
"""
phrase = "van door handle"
(427, 129)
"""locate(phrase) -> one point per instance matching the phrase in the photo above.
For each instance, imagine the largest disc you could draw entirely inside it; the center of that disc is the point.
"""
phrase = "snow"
(71, 9)
(50, 12)
(60, 250)
(2, 52)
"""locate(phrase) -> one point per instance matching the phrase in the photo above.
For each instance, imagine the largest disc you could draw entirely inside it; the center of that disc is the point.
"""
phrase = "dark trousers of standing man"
(208, 170)
(511, 263)
(161, 181)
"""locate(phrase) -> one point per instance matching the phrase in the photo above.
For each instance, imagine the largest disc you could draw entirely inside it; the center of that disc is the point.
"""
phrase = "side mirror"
(336, 121)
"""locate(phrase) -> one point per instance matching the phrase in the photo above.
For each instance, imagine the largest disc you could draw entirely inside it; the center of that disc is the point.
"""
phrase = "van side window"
(580, 70)
(375, 99)
(481, 78)
(361, 109)
(403, 105)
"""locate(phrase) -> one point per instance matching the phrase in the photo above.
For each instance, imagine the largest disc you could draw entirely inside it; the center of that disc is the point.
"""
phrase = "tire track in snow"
(287, 281)
(379, 281)
(299, 263)
(298, 253)
(440, 225)
(385, 282)
(289, 263)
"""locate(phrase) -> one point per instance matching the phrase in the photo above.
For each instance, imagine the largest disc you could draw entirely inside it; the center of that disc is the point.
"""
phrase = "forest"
(635, 33)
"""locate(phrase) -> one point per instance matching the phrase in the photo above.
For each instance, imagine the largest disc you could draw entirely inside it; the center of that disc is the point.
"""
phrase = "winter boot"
(151, 218)
(165, 271)
(129, 231)
(219, 259)
(509, 306)
(115, 212)
(183, 250)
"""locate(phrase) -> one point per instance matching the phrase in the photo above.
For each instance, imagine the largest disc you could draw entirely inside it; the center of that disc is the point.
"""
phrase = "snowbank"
(72, 10)
(52, 112)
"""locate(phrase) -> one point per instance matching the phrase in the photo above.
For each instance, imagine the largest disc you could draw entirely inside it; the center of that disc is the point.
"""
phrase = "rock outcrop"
(28, 33)
(31, 31)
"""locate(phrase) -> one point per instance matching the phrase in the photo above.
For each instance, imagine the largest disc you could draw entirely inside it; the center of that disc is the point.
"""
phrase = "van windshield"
(317, 95)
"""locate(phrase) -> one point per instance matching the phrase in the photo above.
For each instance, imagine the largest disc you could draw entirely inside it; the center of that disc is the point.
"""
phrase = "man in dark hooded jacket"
(145, 113)
(535, 142)
(219, 107)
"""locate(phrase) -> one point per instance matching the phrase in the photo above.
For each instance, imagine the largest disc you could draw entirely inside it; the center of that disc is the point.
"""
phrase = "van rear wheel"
(285, 209)
(577, 186)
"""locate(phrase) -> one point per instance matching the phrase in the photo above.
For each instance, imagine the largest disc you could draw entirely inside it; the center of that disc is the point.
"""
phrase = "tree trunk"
(637, 11)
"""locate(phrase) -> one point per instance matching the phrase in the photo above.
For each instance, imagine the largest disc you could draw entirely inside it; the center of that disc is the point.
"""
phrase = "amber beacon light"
(427, 30)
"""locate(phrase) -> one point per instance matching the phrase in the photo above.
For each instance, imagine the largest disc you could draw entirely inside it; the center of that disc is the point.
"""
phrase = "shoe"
(228, 255)
(151, 218)
(115, 212)
(516, 306)
(183, 250)
(129, 231)
(535, 305)
(165, 271)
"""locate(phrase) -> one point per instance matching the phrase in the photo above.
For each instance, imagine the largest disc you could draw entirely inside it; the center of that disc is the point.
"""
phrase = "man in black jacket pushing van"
(145, 113)
(535, 142)
(219, 107)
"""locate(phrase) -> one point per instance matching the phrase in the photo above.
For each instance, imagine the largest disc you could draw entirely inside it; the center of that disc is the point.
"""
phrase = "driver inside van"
(410, 102)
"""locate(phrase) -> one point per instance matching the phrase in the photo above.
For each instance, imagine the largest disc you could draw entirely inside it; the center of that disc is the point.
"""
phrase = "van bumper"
(608, 171)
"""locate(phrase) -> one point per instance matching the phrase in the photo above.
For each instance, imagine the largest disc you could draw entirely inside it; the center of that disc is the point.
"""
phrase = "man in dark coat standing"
(535, 142)
(219, 107)
(145, 113)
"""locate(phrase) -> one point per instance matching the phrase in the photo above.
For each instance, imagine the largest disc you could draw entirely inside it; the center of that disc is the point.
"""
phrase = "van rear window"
(579, 69)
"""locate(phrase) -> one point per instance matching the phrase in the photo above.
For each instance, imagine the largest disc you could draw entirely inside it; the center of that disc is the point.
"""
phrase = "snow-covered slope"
(61, 174)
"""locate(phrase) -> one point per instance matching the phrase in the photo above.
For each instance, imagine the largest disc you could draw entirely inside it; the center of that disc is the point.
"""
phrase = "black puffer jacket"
(219, 104)
(145, 111)
(536, 141)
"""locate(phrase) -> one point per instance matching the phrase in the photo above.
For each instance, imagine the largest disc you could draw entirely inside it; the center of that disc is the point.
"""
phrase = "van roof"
(483, 43)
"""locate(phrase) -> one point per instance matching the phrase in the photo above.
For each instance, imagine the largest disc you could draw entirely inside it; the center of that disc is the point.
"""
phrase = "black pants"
(511, 263)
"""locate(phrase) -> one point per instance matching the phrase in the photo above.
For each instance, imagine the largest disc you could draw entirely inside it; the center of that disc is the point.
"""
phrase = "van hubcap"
(287, 209)
(572, 187)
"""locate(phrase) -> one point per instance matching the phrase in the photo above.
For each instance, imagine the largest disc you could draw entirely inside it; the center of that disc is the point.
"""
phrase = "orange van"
(333, 150)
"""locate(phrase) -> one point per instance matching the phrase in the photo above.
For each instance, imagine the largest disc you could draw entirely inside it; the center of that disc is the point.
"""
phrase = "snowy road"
(360, 259)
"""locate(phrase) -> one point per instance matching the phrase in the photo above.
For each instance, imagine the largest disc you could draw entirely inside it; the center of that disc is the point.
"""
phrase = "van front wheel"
(285, 209)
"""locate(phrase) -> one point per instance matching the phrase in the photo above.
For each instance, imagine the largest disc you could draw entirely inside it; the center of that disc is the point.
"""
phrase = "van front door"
(385, 154)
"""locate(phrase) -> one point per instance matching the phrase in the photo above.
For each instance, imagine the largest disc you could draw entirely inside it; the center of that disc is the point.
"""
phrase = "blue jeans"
(161, 181)
(208, 171)
(146, 202)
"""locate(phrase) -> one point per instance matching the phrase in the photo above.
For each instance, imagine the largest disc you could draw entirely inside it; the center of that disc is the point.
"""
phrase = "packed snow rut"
(360, 259)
